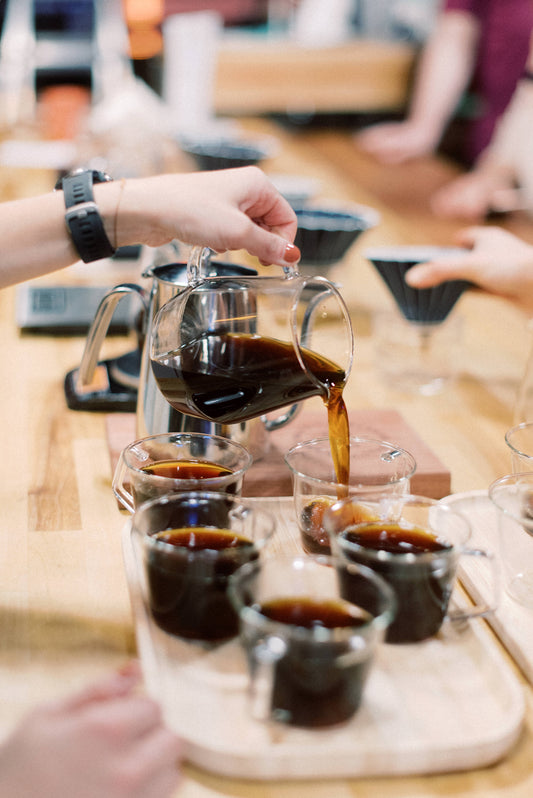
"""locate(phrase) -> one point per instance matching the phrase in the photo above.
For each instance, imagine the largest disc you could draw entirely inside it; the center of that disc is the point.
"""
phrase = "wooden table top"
(64, 608)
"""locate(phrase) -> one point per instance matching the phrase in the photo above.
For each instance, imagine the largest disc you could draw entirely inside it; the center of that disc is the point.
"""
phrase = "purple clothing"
(506, 27)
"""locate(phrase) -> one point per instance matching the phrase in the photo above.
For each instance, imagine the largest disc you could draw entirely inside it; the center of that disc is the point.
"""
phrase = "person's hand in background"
(106, 741)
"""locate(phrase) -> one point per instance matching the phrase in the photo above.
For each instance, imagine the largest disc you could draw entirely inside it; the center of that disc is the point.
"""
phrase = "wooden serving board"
(512, 622)
(447, 704)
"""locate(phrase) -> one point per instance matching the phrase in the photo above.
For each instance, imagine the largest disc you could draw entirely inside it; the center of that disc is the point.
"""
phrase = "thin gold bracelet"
(120, 192)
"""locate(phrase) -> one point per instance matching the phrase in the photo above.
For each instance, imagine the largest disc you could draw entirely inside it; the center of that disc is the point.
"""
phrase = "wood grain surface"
(65, 615)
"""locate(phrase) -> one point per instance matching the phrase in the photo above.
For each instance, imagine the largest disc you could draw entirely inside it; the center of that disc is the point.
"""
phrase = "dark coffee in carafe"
(233, 377)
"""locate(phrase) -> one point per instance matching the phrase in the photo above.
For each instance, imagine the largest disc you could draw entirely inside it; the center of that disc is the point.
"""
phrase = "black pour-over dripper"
(422, 305)
(324, 235)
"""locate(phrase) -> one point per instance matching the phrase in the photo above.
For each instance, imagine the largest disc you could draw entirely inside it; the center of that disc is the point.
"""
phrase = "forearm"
(35, 238)
(225, 210)
(507, 146)
(445, 69)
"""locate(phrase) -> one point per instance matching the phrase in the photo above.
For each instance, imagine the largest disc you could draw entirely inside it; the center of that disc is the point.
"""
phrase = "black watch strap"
(82, 216)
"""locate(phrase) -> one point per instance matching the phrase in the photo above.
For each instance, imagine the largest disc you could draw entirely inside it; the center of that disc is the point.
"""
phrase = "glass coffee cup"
(512, 495)
(309, 650)
(186, 546)
(176, 462)
(374, 465)
(414, 543)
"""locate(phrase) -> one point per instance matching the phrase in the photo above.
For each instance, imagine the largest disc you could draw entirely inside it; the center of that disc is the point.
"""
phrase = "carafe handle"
(197, 259)
(272, 424)
(200, 256)
(98, 329)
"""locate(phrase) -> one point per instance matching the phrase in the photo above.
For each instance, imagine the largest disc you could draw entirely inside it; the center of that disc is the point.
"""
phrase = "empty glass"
(513, 496)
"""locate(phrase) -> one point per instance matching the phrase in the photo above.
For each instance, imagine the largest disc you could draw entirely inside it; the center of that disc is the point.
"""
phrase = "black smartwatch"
(82, 217)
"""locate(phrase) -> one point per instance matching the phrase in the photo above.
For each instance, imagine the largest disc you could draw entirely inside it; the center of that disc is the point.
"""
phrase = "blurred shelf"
(255, 76)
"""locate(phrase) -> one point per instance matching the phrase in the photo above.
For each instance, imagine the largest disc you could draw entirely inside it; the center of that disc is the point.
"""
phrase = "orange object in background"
(147, 12)
(62, 110)
(143, 19)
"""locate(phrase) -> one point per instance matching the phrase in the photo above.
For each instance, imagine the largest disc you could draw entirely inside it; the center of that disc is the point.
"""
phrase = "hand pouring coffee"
(223, 347)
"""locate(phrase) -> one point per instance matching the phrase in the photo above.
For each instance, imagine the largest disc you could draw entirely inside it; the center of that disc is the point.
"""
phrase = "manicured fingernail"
(131, 670)
(292, 253)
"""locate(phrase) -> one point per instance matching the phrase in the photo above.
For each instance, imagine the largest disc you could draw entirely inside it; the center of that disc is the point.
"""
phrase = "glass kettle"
(230, 348)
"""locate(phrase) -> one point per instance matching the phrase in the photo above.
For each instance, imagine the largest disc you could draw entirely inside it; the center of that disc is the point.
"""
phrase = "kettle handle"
(98, 329)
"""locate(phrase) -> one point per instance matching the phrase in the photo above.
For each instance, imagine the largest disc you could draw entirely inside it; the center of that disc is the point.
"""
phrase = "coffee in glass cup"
(187, 545)
(414, 543)
(309, 649)
(173, 462)
(372, 464)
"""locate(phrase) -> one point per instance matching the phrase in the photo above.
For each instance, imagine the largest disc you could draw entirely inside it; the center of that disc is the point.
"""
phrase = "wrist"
(110, 200)
(133, 212)
(82, 214)
(428, 129)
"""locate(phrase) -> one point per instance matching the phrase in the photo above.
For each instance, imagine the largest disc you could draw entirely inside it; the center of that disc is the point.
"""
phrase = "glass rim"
(517, 428)
(518, 477)
(300, 447)
(218, 496)
(319, 633)
(177, 436)
(381, 556)
(524, 478)
(410, 499)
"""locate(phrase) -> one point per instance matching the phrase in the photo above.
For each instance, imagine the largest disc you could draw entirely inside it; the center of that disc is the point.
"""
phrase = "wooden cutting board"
(270, 475)
(449, 703)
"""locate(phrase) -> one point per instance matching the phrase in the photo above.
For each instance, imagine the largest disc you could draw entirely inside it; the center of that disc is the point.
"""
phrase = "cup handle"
(119, 485)
(479, 610)
(264, 657)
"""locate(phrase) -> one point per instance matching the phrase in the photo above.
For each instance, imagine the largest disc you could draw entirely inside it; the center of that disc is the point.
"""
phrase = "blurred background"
(85, 72)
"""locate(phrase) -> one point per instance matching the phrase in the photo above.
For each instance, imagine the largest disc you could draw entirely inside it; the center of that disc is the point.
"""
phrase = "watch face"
(97, 177)
(101, 177)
